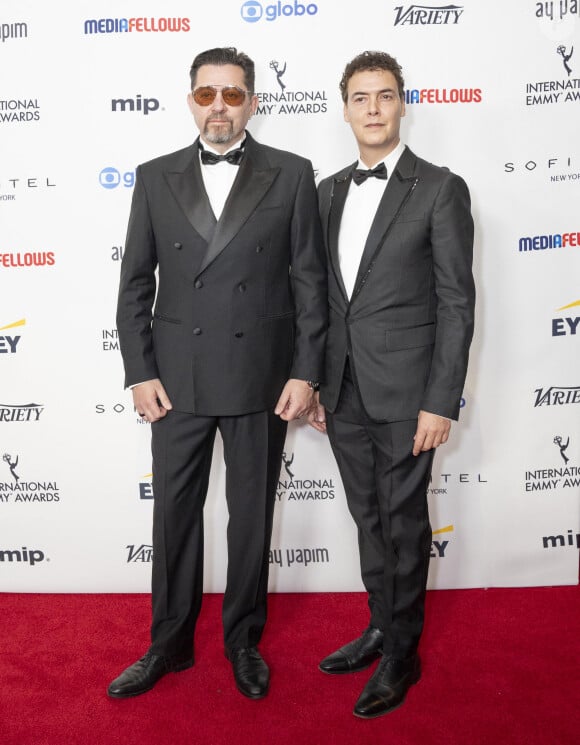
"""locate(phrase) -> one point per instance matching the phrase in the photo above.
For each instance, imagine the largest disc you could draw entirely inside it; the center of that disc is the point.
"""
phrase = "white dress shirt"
(218, 179)
(359, 212)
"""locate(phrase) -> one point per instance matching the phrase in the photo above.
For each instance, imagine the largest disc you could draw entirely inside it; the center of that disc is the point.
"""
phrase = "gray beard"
(219, 138)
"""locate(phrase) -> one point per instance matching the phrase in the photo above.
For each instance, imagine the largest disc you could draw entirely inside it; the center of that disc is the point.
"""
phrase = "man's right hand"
(317, 415)
(151, 401)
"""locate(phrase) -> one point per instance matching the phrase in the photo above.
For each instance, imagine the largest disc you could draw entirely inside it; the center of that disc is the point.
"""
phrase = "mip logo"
(253, 11)
(110, 178)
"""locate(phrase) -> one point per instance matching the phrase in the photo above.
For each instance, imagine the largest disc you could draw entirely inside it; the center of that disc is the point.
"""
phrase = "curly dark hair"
(224, 56)
(372, 61)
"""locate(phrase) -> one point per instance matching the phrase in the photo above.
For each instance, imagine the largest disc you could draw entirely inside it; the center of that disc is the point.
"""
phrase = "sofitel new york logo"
(295, 489)
(17, 490)
(564, 477)
(427, 15)
(565, 90)
(289, 101)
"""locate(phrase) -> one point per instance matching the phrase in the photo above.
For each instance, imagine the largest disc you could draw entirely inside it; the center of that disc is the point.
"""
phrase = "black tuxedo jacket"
(409, 323)
(240, 304)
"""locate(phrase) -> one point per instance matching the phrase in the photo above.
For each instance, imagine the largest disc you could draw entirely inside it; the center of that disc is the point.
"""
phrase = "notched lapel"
(248, 190)
(189, 191)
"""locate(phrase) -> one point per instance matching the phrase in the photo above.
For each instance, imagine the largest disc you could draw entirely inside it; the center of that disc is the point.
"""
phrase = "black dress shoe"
(355, 656)
(251, 673)
(388, 686)
(143, 674)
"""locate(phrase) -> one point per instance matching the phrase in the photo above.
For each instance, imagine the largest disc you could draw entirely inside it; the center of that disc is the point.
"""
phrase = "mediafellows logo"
(27, 259)
(286, 100)
(139, 25)
(19, 110)
(542, 242)
(9, 342)
(253, 11)
(13, 31)
(428, 15)
(567, 325)
(443, 95)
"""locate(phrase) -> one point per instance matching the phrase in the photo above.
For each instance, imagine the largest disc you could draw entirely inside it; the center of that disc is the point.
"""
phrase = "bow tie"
(210, 159)
(358, 175)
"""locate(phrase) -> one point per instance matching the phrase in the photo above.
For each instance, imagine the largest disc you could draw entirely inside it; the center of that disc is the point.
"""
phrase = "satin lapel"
(187, 187)
(253, 181)
(397, 193)
(338, 194)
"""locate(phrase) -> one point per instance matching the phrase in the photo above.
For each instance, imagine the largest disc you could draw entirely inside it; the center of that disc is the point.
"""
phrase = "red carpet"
(499, 666)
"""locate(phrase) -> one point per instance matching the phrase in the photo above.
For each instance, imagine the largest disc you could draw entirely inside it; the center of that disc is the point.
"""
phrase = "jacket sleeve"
(308, 279)
(137, 291)
(452, 250)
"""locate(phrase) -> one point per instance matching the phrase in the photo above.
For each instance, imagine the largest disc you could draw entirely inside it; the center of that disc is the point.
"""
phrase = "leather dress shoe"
(143, 674)
(356, 655)
(251, 673)
(387, 687)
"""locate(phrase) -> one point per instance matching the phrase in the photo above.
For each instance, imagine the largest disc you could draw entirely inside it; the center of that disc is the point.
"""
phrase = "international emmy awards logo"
(7, 458)
(562, 447)
(565, 57)
(279, 73)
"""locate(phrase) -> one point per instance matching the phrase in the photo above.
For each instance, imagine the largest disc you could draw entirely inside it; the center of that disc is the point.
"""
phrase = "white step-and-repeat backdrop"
(90, 89)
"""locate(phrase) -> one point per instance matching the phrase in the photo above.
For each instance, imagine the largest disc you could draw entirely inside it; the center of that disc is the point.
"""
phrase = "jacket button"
(259, 249)
(242, 287)
(177, 245)
(239, 334)
(196, 331)
(198, 284)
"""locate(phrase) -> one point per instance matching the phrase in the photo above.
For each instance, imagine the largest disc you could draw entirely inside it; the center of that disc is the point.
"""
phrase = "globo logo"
(252, 11)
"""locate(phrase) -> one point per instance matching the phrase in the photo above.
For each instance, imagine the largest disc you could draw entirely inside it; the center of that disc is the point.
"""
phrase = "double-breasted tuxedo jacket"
(240, 304)
(408, 325)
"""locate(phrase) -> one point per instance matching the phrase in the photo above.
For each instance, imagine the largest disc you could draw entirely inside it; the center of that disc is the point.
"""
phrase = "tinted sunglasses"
(231, 94)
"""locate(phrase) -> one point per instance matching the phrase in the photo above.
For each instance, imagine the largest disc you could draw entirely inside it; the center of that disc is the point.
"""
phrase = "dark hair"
(372, 61)
(224, 56)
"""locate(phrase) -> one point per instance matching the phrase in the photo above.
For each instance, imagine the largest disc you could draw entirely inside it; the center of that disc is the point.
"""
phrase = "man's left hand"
(295, 400)
(432, 431)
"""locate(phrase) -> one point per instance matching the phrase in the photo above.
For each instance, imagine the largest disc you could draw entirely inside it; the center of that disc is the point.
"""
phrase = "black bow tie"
(210, 159)
(358, 175)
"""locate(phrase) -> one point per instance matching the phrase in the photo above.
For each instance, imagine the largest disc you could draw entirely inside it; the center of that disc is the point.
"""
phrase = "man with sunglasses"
(229, 338)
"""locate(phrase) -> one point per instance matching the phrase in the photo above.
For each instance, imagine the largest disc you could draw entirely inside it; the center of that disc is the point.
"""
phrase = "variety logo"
(301, 556)
(289, 101)
(13, 31)
(8, 344)
(541, 242)
(139, 554)
(565, 90)
(252, 11)
(20, 412)
(302, 490)
(554, 167)
(17, 186)
(110, 340)
(443, 95)
(110, 178)
(427, 15)
(439, 547)
(546, 479)
(557, 396)
(30, 258)
(19, 110)
(141, 25)
(23, 555)
(454, 478)
(143, 105)
(560, 541)
(568, 325)
(18, 491)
